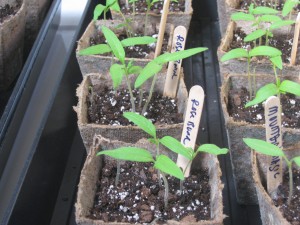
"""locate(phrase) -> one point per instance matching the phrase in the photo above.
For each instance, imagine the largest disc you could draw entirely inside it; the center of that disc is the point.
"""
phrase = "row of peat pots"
(19, 23)
(259, 62)
(131, 173)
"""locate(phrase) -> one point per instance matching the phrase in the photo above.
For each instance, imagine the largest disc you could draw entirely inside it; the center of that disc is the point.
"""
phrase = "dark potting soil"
(278, 4)
(7, 10)
(138, 51)
(284, 43)
(106, 106)
(290, 212)
(255, 114)
(138, 198)
(141, 7)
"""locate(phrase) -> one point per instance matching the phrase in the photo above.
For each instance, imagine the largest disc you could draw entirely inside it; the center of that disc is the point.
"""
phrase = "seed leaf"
(264, 51)
(255, 35)
(277, 61)
(116, 72)
(263, 93)
(175, 145)
(174, 56)
(235, 54)
(288, 6)
(270, 18)
(148, 71)
(242, 16)
(290, 87)
(281, 23)
(134, 70)
(264, 10)
(138, 41)
(114, 43)
(263, 147)
(129, 154)
(98, 11)
(114, 5)
(212, 149)
(166, 165)
(141, 122)
(296, 160)
(95, 50)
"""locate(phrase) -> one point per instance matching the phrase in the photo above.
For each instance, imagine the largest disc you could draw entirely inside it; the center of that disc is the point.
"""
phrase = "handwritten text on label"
(178, 47)
(190, 124)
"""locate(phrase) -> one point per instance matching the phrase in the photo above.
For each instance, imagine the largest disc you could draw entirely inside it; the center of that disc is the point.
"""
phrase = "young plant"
(103, 9)
(288, 7)
(273, 150)
(238, 53)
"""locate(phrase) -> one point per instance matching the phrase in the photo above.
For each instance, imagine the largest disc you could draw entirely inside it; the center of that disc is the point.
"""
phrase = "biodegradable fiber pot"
(123, 133)
(175, 18)
(89, 179)
(101, 63)
(236, 131)
(270, 214)
(11, 44)
(239, 66)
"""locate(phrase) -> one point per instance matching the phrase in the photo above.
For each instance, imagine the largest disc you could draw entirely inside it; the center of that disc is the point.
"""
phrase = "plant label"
(296, 41)
(162, 28)
(273, 136)
(173, 72)
(191, 124)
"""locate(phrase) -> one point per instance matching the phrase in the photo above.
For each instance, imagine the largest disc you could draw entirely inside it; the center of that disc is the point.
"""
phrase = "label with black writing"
(273, 136)
(174, 67)
(191, 124)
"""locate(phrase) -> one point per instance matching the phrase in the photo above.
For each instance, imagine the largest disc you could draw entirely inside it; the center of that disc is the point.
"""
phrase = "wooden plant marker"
(273, 136)
(162, 28)
(191, 124)
(173, 72)
(296, 41)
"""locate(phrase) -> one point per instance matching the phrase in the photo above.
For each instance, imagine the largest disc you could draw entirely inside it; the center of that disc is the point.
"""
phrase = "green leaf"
(149, 71)
(263, 147)
(113, 5)
(290, 87)
(288, 6)
(141, 122)
(174, 56)
(263, 93)
(235, 54)
(255, 35)
(282, 23)
(242, 16)
(296, 160)
(270, 18)
(277, 61)
(98, 11)
(264, 10)
(129, 154)
(175, 145)
(166, 165)
(117, 72)
(95, 50)
(134, 70)
(212, 149)
(114, 43)
(138, 41)
(264, 51)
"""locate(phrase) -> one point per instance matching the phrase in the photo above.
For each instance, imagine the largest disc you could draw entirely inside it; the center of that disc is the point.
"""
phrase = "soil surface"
(291, 212)
(244, 4)
(138, 51)
(138, 198)
(7, 10)
(141, 7)
(106, 106)
(284, 43)
(255, 114)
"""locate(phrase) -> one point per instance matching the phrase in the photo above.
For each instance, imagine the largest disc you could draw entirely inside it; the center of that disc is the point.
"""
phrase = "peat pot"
(175, 18)
(270, 214)
(239, 66)
(101, 63)
(11, 44)
(236, 131)
(89, 180)
(123, 133)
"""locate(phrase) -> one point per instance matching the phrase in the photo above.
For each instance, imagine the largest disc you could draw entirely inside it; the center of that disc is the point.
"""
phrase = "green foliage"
(95, 49)
(263, 147)
(297, 160)
(282, 23)
(263, 10)
(110, 4)
(166, 165)
(291, 87)
(264, 51)
(176, 146)
(212, 149)
(288, 6)
(235, 54)
(117, 72)
(276, 61)
(145, 40)
(242, 16)
(255, 35)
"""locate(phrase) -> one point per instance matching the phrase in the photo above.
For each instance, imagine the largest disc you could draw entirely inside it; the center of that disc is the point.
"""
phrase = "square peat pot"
(237, 130)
